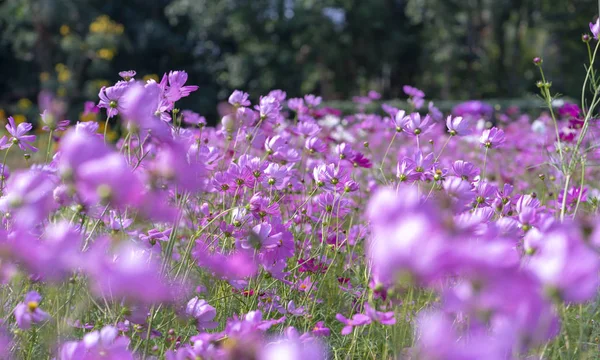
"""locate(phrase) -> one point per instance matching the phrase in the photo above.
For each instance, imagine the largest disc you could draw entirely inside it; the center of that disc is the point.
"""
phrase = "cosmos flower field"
(293, 231)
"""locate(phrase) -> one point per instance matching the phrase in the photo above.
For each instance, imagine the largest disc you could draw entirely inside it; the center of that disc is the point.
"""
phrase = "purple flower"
(473, 108)
(29, 197)
(330, 177)
(103, 344)
(566, 266)
(459, 126)
(53, 257)
(269, 109)
(413, 91)
(51, 123)
(131, 273)
(465, 170)
(275, 176)
(19, 136)
(357, 320)
(312, 100)
(385, 318)
(202, 313)
(297, 105)
(320, 330)
(176, 89)
(595, 28)
(293, 349)
(415, 126)
(239, 98)
(141, 109)
(29, 312)
(261, 237)
(89, 107)
(127, 74)
(492, 138)
(416, 96)
(192, 118)
(110, 98)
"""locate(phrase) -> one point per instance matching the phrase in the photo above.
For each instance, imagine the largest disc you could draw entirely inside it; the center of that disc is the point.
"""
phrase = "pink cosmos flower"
(29, 312)
(356, 320)
(19, 135)
(202, 313)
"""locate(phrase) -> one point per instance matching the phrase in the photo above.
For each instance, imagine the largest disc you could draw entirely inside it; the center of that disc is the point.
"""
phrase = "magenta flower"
(131, 273)
(566, 266)
(297, 105)
(28, 312)
(465, 170)
(141, 108)
(331, 177)
(176, 89)
(202, 313)
(51, 123)
(110, 98)
(274, 176)
(89, 107)
(385, 318)
(29, 197)
(415, 126)
(269, 109)
(261, 237)
(127, 75)
(312, 100)
(102, 344)
(595, 28)
(192, 118)
(239, 98)
(54, 257)
(19, 135)
(473, 108)
(492, 138)
(459, 126)
(320, 329)
(357, 320)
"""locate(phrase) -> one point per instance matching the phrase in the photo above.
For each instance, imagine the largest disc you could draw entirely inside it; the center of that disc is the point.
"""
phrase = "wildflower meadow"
(293, 230)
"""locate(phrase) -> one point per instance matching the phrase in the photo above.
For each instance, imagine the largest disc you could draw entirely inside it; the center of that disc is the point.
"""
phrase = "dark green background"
(452, 49)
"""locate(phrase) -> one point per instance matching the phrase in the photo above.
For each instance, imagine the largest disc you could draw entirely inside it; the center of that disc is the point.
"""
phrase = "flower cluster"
(291, 231)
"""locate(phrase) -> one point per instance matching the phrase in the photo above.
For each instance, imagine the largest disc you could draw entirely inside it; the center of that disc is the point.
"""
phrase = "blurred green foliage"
(453, 49)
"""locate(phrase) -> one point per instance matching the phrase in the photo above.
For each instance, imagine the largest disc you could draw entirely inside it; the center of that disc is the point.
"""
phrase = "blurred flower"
(29, 312)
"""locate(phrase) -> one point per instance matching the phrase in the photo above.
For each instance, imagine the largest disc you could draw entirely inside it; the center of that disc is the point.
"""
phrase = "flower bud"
(537, 61)
(228, 123)
(586, 38)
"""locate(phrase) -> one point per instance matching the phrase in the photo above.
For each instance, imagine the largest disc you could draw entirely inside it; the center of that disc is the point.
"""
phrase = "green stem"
(564, 200)
(3, 176)
(49, 145)
(385, 156)
(105, 128)
(580, 187)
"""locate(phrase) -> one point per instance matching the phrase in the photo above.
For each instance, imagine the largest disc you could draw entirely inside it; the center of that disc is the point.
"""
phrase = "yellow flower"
(19, 118)
(24, 104)
(87, 117)
(119, 29)
(59, 67)
(64, 76)
(44, 76)
(2, 114)
(151, 77)
(100, 83)
(65, 30)
(105, 54)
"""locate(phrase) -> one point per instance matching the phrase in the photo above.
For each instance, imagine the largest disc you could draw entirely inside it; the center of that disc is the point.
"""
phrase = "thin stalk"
(580, 187)
(49, 145)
